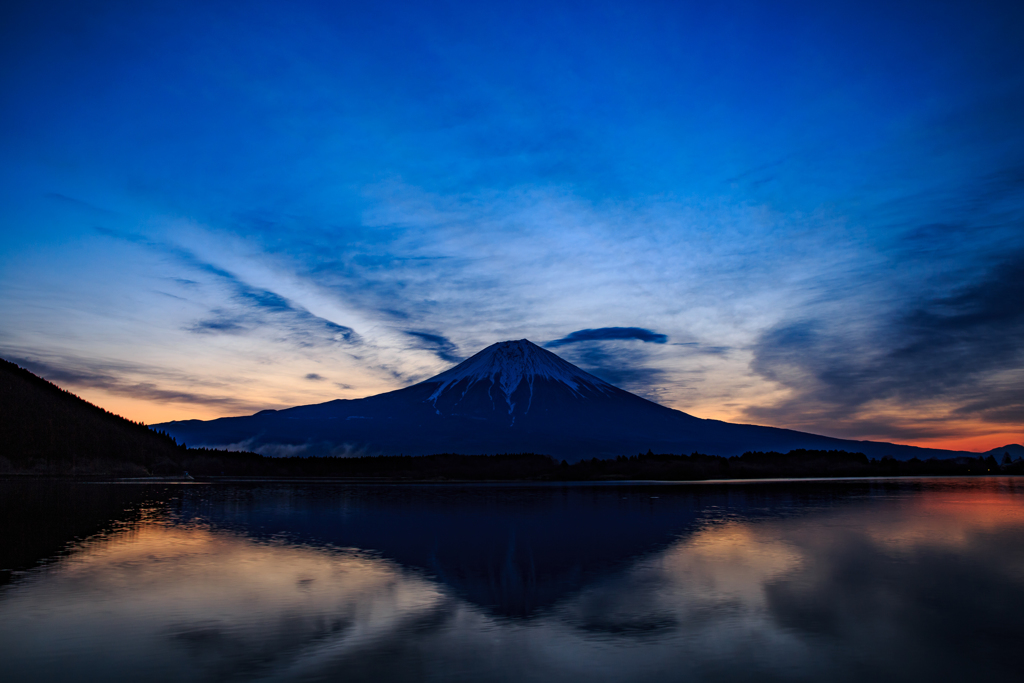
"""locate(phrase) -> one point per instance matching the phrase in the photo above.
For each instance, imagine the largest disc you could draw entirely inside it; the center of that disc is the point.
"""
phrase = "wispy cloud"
(260, 309)
(624, 365)
(254, 309)
(957, 353)
(221, 323)
(437, 344)
(116, 378)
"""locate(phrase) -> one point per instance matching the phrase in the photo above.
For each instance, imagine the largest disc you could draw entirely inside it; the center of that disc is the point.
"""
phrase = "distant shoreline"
(381, 481)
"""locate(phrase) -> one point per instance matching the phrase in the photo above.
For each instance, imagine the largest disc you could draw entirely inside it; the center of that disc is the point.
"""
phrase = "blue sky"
(800, 214)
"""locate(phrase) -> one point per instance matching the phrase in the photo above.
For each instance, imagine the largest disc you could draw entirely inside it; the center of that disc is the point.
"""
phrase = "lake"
(913, 579)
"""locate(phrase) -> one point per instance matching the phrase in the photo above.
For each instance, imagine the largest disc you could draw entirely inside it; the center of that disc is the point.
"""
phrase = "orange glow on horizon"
(976, 443)
(977, 437)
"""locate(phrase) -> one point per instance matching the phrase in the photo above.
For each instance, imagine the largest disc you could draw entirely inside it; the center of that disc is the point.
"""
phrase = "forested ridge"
(48, 430)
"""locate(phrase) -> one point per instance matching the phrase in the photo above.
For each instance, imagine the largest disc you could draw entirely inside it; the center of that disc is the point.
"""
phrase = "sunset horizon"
(125, 406)
(802, 216)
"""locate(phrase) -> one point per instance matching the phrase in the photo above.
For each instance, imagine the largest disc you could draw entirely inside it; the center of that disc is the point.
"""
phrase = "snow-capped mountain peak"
(508, 364)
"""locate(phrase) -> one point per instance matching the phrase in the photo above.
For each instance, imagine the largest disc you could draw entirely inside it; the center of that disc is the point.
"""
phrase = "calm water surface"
(800, 581)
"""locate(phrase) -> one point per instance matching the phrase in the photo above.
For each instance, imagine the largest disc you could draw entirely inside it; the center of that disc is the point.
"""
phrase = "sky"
(805, 215)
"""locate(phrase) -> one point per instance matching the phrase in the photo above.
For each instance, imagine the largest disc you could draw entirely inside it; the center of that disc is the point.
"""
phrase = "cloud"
(253, 445)
(313, 377)
(609, 333)
(959, 353)
(111, 377)
(697, 348)
(622, 366)
(221, 323)
(258, 309)
(438, 344)
(255, 309)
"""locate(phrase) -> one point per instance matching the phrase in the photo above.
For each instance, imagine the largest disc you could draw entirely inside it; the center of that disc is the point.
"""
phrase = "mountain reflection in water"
(782, 581)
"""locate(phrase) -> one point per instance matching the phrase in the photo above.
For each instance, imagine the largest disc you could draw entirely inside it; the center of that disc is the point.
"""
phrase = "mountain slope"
(511, 397)
(46, 429)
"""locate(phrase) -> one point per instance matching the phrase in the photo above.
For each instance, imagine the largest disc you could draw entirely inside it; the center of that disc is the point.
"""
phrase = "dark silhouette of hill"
(48, 430)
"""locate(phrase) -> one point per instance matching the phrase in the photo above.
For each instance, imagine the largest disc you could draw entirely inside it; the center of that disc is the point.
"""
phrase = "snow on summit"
(508, 364)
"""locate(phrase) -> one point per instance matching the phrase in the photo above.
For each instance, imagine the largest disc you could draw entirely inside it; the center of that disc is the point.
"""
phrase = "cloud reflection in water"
(909, 582)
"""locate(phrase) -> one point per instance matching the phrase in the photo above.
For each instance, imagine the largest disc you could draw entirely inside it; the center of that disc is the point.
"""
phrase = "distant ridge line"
(512, 396)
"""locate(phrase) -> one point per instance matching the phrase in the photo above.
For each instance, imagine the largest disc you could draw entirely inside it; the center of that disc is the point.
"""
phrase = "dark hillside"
(48, 430)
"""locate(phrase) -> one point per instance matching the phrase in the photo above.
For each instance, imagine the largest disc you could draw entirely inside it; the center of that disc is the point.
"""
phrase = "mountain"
(511, 397)
(47, 430)
(1014, 450)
